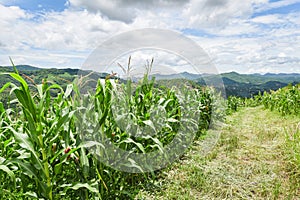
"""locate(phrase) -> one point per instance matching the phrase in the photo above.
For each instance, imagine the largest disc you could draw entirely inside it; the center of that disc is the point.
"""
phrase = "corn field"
(285, 100)
(44, 151)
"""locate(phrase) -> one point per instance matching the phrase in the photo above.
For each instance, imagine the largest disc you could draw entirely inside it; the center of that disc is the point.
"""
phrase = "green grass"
(249, 162)
(293, 155)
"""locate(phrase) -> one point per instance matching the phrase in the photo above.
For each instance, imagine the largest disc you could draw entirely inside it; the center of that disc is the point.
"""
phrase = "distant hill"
(234, 88)
(234, 76)
(243, 85)
(59, 76)
(22, 68)
(183, 75)
(247, 85)
(260, 79)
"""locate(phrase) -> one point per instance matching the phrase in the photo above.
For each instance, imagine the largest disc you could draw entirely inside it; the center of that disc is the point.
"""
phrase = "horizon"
(251, 36)
(45, 68)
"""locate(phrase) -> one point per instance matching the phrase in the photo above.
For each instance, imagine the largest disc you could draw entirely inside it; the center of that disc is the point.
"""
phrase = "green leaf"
(31, 195)
(133, 164)
(24, 141)
(23, 94)
(18, 78)
(139, 145)
(12, 63)
(172, 120)
(157, 142)
(27, 167)
(58, 168)
(2, 110)
(88, 144)
(80, 185)
(40, 90)
(68, 90)
(26, 101)
(84, 161)
(5, 86)
(9, 172)
(150, 123)
(61, 121)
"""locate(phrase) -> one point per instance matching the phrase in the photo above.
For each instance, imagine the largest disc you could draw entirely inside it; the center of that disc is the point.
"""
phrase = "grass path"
(249, 162)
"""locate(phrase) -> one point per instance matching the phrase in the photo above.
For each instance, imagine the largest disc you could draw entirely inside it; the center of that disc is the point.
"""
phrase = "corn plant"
(45, 140)
(234, 103)
(49, 135)
(285, 100)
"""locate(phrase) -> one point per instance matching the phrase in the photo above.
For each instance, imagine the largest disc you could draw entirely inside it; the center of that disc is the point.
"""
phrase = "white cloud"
(29, 38)
(44, 58)
(11, 13)
(123, 10)
(243, 44)
(268, 19)
(238, 27)
(164, 63)
(68, 30)
(254, 55)
(217, 13)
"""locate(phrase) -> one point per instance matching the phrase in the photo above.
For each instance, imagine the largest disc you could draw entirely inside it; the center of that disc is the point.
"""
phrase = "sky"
(249, 36)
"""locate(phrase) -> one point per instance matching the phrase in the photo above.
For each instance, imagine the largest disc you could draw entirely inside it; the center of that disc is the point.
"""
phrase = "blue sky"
(37, 5)
(250, 36)
(295, 7)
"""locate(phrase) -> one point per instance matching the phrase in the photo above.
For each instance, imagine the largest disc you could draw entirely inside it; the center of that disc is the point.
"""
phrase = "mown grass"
(293, 156)
(253, 160)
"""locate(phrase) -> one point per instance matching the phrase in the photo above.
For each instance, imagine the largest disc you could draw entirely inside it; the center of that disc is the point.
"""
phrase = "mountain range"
(243, 85)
